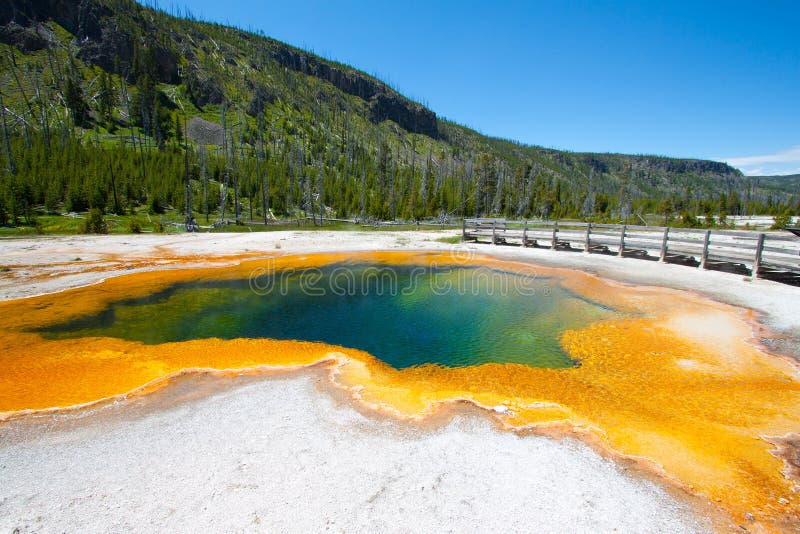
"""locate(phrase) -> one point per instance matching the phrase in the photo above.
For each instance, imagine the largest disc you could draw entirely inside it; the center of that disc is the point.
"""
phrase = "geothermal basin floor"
(281, 455)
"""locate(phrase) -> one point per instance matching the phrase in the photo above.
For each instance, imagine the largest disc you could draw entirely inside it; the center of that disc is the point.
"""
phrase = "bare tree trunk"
(27, 100)
(57, 77)
(467, 179)
(321, 192)
(224, 184)
(479, 195)
(393, 175)
(189, 215)
(235, 188)
(362, 195)
(241, 166)
(43, 118)
(265, 184)
(11, 167)
(117, 209)
(201, 155)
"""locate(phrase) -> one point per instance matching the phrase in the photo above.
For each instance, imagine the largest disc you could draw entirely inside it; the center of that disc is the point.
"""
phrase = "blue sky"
(716, 80)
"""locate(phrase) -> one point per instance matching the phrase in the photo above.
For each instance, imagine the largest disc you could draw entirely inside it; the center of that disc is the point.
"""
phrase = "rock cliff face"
(26, 39)
(203, 89)
(348, 81)
(384, 102)
(262, 96)
(82, 18)
(100, 39)
(104, 42)
(409, 115)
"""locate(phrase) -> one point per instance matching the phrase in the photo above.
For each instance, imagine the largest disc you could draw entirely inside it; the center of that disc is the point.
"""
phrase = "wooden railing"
(770, 255)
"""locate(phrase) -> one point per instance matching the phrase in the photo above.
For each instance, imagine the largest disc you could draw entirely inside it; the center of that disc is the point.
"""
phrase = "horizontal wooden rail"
(770, 255)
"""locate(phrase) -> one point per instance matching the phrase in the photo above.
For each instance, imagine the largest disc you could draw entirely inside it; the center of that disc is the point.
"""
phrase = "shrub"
(52, 198)
(688, 220)
(155, 208)
(75, 200)
(98, 199)
(135, 226)
(782, 221)
(158, 227)
(95, 223)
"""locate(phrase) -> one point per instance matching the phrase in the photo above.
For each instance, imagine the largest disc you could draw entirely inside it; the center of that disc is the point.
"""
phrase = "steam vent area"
(357, 381)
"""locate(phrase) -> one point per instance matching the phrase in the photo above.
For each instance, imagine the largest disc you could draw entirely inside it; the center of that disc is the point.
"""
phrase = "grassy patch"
(49, 224)
(68, 225)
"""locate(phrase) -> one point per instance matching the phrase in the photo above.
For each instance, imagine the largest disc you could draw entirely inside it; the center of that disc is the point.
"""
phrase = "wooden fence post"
(706, 241)
(494, 232)
(588, 243)
(622, 240)
(664, 244)
(525, 234)
(759, 251)
(555, 234)
(463, 229)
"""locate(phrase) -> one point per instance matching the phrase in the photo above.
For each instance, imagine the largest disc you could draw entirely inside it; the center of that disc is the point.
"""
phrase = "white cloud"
(781, 162)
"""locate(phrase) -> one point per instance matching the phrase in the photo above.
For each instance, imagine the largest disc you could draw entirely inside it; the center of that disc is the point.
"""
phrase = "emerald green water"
(402, 315)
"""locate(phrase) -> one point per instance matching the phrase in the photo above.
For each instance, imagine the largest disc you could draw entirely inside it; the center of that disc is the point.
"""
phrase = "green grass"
(450, 239)
(48, 224)
(305, 225)
(63, 225)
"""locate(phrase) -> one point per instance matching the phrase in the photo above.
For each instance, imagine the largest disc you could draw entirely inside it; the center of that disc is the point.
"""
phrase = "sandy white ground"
(278, 455)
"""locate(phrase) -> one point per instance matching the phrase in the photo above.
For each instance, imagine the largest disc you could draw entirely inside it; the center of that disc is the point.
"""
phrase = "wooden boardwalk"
(773, 255)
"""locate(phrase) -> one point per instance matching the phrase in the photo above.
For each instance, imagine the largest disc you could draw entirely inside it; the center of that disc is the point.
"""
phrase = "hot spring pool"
(660, 374)
(404, 315)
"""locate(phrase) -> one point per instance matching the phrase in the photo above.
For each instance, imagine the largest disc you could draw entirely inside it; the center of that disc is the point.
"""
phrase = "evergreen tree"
(75, 100)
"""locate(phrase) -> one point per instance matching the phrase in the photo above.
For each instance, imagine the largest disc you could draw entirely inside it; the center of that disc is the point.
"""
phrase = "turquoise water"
(403, 315)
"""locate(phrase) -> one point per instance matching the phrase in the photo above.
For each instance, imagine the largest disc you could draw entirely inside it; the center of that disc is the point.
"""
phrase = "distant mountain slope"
(787, 182)
(103, 90)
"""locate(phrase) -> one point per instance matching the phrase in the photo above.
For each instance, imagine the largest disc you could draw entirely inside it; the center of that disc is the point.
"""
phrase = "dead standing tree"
(321, 191)
(589, 202)
(261, 153)
(191, 224)
(223, 192)
(7, 142)
(201, 160)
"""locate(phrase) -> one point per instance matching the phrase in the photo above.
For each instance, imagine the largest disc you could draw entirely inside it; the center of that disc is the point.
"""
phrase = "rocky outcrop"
(111, 51)
(350, 81)
(409, 115)
(262, 97)
(203, 89)
(204, 132)
(109, 41)
(384, 102)
(82, 18)
(101, 40)
(25, 39)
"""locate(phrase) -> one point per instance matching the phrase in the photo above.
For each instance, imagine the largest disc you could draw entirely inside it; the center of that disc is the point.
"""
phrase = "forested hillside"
(121, 107)
(789, 182)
